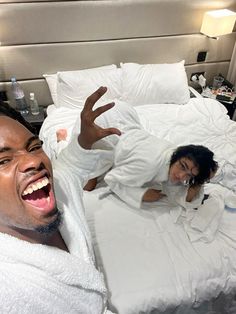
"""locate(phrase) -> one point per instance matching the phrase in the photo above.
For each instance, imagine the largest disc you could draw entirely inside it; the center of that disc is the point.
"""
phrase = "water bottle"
(19, 97)
(34, 107)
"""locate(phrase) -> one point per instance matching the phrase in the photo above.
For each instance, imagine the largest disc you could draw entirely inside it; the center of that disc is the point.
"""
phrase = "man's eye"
(35, 147)
(4, 161)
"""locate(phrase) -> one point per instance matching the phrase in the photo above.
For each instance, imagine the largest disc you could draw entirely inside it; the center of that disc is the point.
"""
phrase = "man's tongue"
(38, 198)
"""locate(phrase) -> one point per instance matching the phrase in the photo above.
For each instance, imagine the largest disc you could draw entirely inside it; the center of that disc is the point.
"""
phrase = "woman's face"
(183, 170)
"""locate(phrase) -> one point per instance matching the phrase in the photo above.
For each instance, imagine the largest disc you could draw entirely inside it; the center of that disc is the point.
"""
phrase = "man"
(46, 256)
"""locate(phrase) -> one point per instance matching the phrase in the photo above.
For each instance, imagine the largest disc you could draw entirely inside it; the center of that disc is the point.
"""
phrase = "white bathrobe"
(122, 116)
(41, 279)
(141, 161)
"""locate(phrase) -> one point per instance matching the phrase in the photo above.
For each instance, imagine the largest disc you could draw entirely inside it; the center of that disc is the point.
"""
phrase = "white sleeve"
(130, 195)
(85, 164)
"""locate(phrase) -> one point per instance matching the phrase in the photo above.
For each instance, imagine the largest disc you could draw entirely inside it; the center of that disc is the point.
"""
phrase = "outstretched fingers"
(110, 131)
(100, 110)
(92, 99)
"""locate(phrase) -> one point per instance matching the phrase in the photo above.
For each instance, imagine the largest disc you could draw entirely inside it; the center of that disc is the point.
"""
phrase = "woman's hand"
(193, 191)
(89, 131)
(152, 195)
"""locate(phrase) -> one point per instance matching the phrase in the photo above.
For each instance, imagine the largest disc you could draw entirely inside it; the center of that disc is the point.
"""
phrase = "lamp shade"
(218, 22)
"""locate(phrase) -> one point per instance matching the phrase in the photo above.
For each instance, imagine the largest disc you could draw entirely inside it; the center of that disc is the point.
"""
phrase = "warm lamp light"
(218, 22)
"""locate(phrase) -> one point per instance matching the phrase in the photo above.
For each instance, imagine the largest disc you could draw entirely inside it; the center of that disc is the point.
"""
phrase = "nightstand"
(36, 120)
(230, 103)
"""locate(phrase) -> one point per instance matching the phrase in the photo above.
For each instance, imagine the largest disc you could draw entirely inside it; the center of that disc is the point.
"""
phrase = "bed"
(153, 260)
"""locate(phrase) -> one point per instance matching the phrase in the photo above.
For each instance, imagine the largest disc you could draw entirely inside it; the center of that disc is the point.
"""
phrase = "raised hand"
(89, 131)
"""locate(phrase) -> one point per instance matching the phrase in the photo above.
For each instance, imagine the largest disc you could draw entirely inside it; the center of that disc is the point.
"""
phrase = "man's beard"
(52, 226)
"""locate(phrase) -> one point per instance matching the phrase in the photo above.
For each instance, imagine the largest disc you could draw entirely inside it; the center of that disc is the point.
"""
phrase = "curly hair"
(202, 158)
(7, 110)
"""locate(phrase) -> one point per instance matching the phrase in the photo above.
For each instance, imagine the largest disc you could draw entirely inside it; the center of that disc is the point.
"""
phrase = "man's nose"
(28, 161)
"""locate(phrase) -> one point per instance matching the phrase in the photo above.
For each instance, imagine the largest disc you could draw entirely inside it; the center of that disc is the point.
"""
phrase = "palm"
(91, 132)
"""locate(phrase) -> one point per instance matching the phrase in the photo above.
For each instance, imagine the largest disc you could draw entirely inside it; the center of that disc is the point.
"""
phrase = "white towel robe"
(141, 161)
(41, 279)
(122, 116)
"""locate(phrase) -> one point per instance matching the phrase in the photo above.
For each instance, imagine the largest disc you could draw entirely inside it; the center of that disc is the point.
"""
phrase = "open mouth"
(39, 194)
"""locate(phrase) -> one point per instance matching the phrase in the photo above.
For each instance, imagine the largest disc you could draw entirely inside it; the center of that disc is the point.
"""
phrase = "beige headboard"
(48, 36)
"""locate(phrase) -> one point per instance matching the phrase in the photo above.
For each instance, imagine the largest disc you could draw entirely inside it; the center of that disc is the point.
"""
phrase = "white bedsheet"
(202, 121)
(152, 263)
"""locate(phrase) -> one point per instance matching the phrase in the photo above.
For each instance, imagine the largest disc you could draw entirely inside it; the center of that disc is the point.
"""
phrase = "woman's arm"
(152, 195)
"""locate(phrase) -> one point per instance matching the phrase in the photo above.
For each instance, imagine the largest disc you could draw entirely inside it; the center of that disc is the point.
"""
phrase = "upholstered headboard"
(40, 37)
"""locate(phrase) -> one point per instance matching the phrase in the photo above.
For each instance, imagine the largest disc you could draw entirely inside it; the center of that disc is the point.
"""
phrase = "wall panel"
(40, 37)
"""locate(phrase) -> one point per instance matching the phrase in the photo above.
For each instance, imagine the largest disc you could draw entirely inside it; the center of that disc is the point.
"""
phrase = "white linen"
(154, 83)
(122, 116)
(201, 121)
(204, 122)
(161, 257)
(73, 88)
(38, 278)
(203, 223)
(51, 79)
(151, 262)
(58, 118)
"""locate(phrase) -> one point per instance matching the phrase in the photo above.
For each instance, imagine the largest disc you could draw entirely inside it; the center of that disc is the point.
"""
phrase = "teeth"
(36, 186)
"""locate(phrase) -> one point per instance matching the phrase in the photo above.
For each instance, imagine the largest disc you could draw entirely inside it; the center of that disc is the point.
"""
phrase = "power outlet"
(201, 57)
(196, 74)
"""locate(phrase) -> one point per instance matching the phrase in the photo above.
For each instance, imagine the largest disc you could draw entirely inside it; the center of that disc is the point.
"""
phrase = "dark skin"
(91, 132)
(24, 167)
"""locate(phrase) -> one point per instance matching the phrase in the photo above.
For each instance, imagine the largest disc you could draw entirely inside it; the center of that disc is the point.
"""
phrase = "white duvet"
(156, 261)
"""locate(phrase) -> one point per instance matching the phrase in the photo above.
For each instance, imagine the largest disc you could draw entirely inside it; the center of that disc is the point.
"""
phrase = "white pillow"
(51, 80)
(154, 83)
(74, 87)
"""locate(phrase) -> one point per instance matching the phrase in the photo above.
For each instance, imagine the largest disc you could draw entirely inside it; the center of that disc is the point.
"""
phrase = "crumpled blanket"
(204, 222)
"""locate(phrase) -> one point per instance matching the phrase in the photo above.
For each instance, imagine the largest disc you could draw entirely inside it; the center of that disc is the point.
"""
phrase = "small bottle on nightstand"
(34, 107)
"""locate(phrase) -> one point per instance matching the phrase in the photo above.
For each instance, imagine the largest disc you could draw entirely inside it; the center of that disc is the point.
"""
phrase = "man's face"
(27, 199)
(182, 170)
